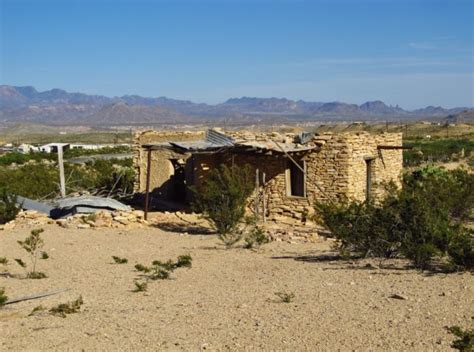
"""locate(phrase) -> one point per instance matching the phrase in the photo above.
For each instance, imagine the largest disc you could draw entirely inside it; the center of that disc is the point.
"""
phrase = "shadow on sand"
(191, 229)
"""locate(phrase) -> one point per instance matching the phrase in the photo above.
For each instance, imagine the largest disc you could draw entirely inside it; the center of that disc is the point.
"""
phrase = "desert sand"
(227, 300)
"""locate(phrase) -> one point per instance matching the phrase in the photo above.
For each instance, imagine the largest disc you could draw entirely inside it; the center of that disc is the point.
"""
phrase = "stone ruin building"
(291, 171)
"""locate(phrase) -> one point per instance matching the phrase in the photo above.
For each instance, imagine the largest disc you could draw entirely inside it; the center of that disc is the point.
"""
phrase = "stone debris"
(294, 232)
(101, 219)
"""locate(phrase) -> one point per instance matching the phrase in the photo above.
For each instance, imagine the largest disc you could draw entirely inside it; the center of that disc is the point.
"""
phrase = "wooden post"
(147, 190)
(263, 195)
(257, 194)
(62, 180)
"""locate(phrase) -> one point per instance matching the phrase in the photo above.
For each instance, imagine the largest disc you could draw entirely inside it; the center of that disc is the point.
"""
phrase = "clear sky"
(407, 52)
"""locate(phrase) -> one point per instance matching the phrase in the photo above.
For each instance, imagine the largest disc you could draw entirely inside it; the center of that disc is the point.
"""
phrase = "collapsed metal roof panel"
(217, 138)
(197, 146)
(275, 146)
(92, 201)
(214, 140)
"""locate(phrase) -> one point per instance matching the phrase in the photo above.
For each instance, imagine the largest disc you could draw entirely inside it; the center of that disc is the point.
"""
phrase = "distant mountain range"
(56, 106)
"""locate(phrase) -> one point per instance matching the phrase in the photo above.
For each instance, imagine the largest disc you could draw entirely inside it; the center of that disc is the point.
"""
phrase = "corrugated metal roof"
(274, 146)
(214, 140)
(217, 138)
(196, 146)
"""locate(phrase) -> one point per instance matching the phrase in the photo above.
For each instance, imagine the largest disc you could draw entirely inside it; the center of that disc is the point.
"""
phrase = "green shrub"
(436, 150)
(465, 341)
(36, 181)
(8, 206)
(63, 309)
(461, 249)
(162, 270)
(420, 222)
(140, 286)
(119, 260)
(222, 200)
(285, 297)
(255, 237)
(32, 244)
(3, 297)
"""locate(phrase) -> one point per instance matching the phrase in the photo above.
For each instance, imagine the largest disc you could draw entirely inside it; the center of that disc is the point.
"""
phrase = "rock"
(83, 226)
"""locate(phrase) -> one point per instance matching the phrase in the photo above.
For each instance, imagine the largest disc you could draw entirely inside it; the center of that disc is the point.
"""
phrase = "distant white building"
(26, 148)
(88, 146)
(95, 146)
(53, 147)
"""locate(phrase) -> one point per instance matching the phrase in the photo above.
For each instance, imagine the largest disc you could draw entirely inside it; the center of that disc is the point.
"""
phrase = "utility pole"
(62, 180)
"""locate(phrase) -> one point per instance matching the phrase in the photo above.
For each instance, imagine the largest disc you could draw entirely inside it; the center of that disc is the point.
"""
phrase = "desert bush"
(421, 221)
(222, 200)
(20, 158)
(255, 235)
(38, 310)
(3, 260)
(119, 260)
(3, 297)
(42, 180)
(64, 309)
(465, 341)
(162, 270)
(8, 206)
(32, 244)
(285, 297)
(461, 249)
(435, 150)
(140, 286)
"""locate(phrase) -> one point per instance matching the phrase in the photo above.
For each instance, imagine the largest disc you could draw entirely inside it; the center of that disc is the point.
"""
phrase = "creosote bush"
(33, 244)
(255, 235)
(465, 341)
(285, 297)
(140, 286)
(63, 309)
(421, 221)
(162, 270)
(8, 206)
(119, 260)
(222, 199)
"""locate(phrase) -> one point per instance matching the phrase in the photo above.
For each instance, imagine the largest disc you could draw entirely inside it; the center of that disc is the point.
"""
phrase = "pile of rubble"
(101, 219)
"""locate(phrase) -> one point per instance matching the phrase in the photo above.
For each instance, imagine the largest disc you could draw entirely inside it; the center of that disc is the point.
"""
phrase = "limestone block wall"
(335, 170)
(161, 168)
(387, 164)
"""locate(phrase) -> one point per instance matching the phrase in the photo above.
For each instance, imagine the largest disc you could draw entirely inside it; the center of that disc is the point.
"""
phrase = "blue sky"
(407, 52)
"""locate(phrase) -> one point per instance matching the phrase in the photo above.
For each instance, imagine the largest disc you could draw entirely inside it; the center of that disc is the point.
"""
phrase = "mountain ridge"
(25, 103)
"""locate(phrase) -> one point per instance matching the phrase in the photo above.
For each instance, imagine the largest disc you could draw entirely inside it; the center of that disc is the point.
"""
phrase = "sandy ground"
(227, 300)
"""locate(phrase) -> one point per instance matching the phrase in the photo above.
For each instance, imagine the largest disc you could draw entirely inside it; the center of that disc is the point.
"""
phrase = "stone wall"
(161, 167)
(336, 169)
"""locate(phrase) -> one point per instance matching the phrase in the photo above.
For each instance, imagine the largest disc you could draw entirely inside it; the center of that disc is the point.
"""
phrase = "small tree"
(32, 244)
(222, 200)
(8, 206)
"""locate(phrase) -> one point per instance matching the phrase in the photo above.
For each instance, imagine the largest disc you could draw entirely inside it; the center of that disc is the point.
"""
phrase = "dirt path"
(227, 300)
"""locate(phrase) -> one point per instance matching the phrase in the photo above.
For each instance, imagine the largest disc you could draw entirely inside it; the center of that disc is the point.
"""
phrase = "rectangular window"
(296, 179)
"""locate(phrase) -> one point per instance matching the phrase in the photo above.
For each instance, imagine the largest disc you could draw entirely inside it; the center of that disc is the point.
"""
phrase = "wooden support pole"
(62, 180)
(147, 190)
(257, 194)
(263, 198)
